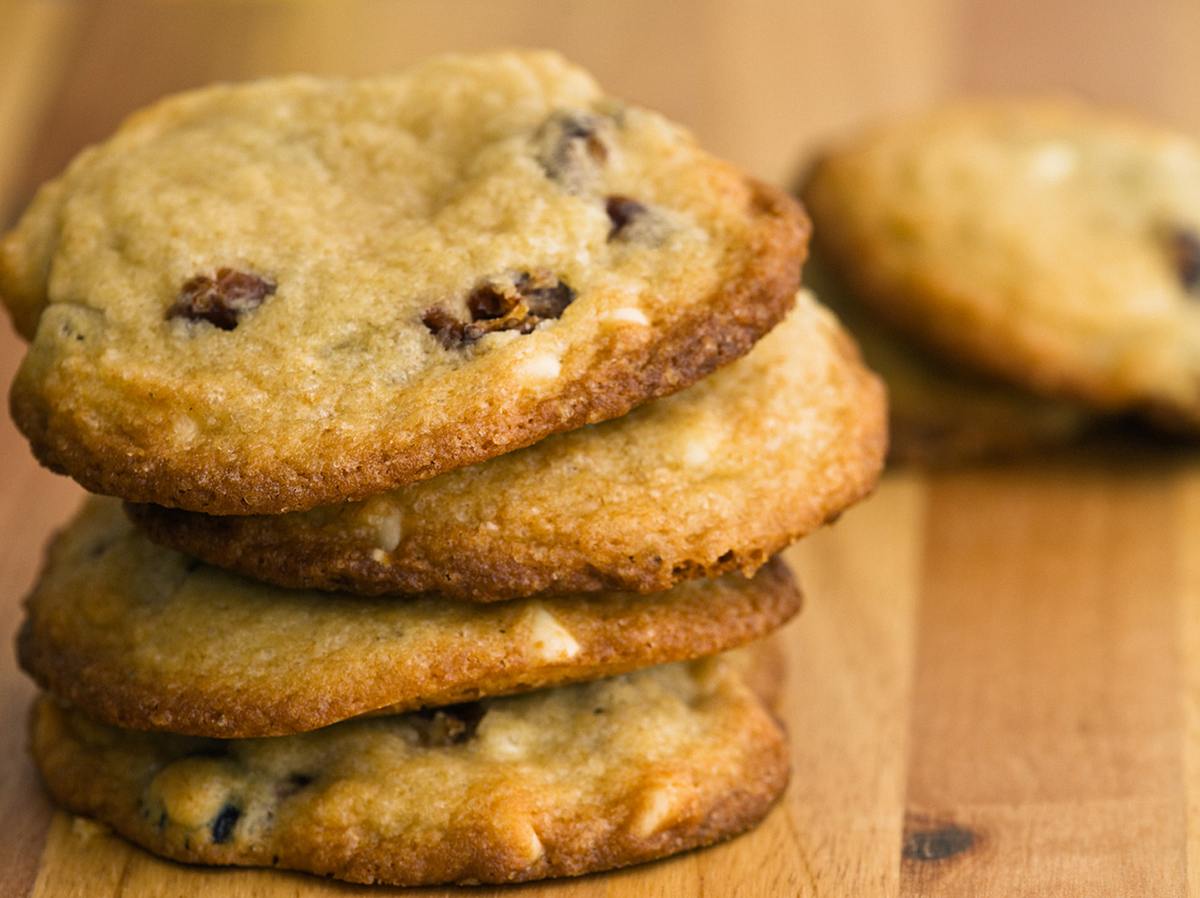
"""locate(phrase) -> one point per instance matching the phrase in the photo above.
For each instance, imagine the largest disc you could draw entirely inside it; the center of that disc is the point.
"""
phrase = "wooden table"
(995, 687)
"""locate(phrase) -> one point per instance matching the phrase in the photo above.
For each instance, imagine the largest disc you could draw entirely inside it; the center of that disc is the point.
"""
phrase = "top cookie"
(266, 297)
(1048, 243)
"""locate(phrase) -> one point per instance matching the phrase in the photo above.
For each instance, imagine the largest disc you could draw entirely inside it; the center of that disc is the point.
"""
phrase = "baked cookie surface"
(940, 413)
(265, 297)
(559, 782)
(142, 637)
(718, 477)
(1045, 242)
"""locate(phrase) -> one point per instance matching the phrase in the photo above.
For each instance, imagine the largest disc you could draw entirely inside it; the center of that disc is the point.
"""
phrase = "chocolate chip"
(448, 329)
(545, 295)
(521, 306)
(293, 784)
(487, 303)
(1184, 247)
(451, 725)
(621, 212)
(570, 148)
(221, 300)
(223, 824)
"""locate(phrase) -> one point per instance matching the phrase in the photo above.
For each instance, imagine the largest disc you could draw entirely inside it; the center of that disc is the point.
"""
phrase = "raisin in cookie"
(139, 636)
(1047, 243)
(265, 297)
(718, 477)
(560, 782)
(939, 413)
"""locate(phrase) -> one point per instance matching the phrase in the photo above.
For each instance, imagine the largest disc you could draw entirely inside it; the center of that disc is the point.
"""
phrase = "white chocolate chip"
(549, 639)
(387, 522)
(542, 366)
(388, 530)
(192, 791)
(627, 315)
(185, 429)
(504, 746)
(696, 454)
(656, 810)
(699, 442)
(503, 736)
(1052, 162)
(531, 846)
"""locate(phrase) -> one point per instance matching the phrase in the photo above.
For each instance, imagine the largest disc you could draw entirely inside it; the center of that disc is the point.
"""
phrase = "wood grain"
(994, 689)
(1041, 746)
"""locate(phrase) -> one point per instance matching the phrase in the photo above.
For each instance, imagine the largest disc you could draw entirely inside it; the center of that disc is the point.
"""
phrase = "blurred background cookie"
(941, 413)
(1045, 243)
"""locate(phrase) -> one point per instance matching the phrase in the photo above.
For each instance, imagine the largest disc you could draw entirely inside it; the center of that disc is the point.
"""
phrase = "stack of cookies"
(459, 416)
(1018, 270)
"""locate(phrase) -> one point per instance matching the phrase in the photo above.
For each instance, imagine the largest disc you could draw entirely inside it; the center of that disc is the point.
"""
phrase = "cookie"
(142, 637)
(265, 297)
(715, 478)
(1047, 243)
(939, 413)
(559, 782)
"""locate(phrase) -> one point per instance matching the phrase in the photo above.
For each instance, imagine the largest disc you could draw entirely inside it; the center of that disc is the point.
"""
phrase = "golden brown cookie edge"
(713, 333)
